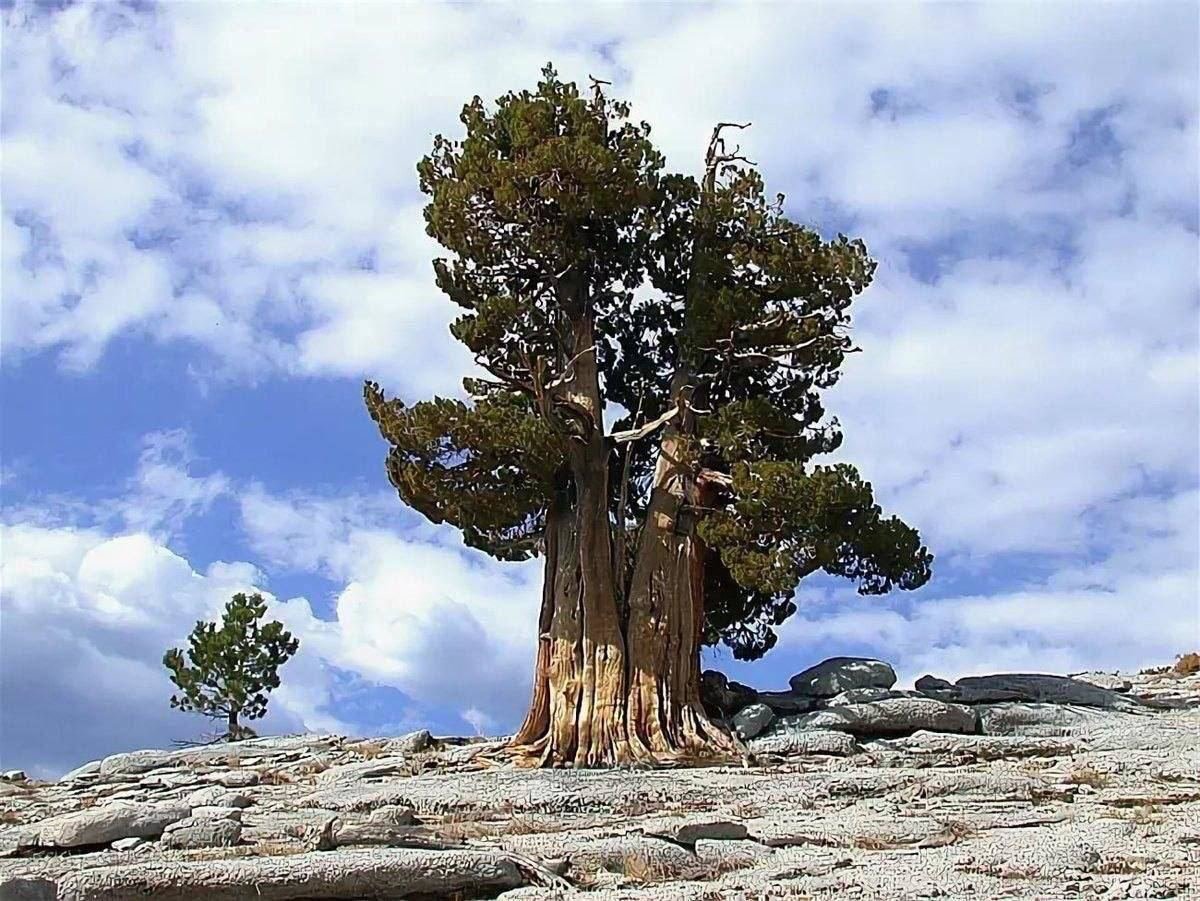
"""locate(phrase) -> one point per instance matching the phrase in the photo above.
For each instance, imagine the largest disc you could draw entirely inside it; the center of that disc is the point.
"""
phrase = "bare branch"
(643, 431)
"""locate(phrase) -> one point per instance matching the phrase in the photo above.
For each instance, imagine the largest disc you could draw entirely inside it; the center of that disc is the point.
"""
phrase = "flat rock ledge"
(1013, 786)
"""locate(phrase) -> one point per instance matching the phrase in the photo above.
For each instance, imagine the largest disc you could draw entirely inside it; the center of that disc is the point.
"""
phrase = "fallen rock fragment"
(412, 743)
(218, 796)
(202, 832)
(103, 825)
(786, 739)
(750, 721)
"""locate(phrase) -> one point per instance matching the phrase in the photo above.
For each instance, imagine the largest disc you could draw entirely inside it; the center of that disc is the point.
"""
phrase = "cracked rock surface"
(1057, 792)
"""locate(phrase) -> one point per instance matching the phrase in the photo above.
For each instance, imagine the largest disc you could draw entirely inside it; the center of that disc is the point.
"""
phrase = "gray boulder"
(892, 716)
(1039, 688)
(217, 796)
(202, 832)
(837, 674)
(411, 743)
(750, 721)
(931, 683)
(103, 825)
(1035, 719)
(721, 697)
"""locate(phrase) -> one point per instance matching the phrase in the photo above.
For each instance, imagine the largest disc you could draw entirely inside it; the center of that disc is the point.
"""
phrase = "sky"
(212, 234)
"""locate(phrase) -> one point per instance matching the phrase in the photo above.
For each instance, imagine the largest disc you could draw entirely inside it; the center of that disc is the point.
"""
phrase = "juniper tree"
(229, 670)
(706, 323)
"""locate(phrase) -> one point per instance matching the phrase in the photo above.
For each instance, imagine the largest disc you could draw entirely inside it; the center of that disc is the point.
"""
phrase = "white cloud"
(242, 178)
(88, 612)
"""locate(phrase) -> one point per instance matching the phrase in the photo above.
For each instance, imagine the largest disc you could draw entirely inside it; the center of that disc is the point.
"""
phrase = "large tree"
(705, 324)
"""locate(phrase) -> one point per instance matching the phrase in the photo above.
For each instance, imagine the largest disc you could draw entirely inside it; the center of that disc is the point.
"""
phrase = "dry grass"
(747, 810)
(1186, 664)
(274, 777)
(1086, 775)
(639, 868)
(11, 818)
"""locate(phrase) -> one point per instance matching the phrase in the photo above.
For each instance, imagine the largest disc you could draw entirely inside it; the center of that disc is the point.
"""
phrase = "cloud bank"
(234, 187)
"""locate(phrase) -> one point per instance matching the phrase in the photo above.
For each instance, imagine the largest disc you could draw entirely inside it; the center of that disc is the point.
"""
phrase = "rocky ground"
(995, 787)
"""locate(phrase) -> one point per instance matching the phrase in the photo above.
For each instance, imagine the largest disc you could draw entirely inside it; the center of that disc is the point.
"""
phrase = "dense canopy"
(690, 313)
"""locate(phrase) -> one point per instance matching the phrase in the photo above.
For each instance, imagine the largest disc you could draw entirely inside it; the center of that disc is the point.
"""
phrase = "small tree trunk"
(233, 730)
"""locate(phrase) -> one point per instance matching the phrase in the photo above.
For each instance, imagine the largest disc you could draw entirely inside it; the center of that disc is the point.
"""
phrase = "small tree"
(232, 667)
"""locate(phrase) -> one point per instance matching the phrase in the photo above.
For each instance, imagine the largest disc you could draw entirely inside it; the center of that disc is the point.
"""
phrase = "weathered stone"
(128, 844)
(102, 825)
(750, 721)
(239, 778)
(689, 830)
(1033, 719)
(928, 683)
(1039, 688)
(87, 771)
(133, 762)
(220, 813)
(982, 747)
(838, 674)
(217, 796)
(412, 743)
(784, 738)
(202, 832)
(364, 770)
(340, 875)
(892, 716)
(393, 815)
(13, 775)
(631, 854)
(1110, 681)
(348, 834)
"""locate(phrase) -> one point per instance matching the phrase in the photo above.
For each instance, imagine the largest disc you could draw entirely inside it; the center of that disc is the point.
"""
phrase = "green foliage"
(229, 669)
(567, 239)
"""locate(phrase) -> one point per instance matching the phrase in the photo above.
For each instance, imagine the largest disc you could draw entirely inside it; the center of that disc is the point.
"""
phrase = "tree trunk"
(233, 730)
(577, 715)
(666, 618)
(607, 692)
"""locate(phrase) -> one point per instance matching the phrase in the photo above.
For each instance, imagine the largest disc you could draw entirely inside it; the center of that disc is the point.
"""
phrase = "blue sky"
(212, 234)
